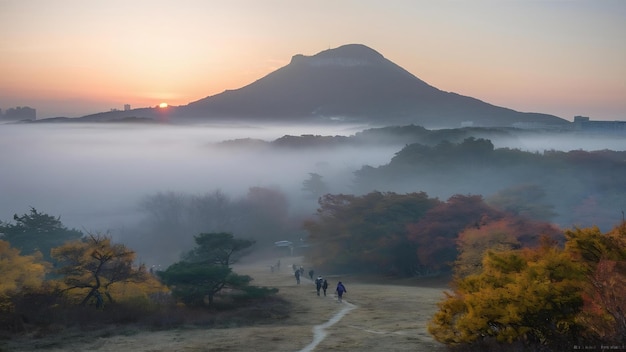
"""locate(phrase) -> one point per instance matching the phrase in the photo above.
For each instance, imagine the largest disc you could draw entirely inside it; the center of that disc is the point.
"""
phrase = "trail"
(319, 331)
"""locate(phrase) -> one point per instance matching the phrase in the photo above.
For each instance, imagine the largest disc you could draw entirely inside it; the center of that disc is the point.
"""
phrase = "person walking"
(341, 289)
(318, 284)
(311, 273)
(297, 274)
(325, 286)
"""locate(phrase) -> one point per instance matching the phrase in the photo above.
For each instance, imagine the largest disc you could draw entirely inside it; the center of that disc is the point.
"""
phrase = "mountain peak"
(351, 51)
(345, 55)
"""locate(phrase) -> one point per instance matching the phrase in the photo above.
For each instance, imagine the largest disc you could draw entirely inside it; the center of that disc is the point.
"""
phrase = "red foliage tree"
(436, 233)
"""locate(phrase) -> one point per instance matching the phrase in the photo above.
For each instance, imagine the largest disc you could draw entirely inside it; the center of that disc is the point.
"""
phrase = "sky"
(76, 57)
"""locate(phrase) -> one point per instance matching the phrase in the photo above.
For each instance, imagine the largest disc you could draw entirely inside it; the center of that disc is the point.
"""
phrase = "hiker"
(311, 273)
(318, 284)
(297, 274)
(278, 265)
(324, 287)
(341, 289)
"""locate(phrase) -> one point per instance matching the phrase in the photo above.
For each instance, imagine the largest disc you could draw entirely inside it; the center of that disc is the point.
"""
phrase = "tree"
(474, 242)
(205, 270)
(217, 249)
(604, 259)
(192, 282)
(527, 296)
(543, 297)
(435, 234)
(314, 187)
(18, 273)
(37, 231)
(94, 264)
(500, 234)
(366, 233)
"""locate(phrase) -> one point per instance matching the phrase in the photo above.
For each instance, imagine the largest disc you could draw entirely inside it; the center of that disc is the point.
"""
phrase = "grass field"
(387, 316)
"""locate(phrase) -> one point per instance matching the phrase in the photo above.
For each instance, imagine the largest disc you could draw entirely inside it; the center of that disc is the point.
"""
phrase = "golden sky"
(76, 57)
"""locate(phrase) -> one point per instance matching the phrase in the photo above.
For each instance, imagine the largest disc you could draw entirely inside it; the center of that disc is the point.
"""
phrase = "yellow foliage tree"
(604, 257)
(545, 296)
(94, 266)
(18, 273)
(527, 296)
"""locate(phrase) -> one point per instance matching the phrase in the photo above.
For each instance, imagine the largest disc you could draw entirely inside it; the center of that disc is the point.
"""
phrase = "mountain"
(351, 83)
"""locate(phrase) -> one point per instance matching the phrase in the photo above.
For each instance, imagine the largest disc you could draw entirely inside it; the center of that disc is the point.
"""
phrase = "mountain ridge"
(352, 83)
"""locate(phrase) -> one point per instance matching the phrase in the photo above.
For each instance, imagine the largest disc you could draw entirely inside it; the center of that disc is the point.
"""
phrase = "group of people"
(321, 284)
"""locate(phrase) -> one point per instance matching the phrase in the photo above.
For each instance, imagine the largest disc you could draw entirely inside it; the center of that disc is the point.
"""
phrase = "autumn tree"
(93, 265)
(18, 274)
(604, 259)
(528, 297)
(366, 233)
(37, 231)
(474, 242)
(499, 234)
(435, 234)
(548, 296)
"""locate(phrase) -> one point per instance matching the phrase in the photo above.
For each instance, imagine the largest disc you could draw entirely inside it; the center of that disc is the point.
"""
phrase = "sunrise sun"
(163, 105)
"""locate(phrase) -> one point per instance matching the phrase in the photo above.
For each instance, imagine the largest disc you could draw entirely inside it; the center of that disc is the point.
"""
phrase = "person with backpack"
(341, 289)
(318, 284)
(325, 286)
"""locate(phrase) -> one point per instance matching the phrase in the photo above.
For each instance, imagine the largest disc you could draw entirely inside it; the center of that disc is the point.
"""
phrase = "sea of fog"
(94, 175)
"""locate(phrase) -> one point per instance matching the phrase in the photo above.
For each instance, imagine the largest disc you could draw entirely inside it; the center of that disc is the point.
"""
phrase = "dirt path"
(319, 331)
(377, 317)
(374, 317)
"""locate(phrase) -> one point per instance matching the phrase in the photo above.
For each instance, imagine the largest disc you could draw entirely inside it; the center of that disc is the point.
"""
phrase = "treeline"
(409, 234)
(582, 187)
(54, 276)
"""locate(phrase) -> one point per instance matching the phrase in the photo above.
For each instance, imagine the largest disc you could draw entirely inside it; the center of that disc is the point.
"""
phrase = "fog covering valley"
(153, 186)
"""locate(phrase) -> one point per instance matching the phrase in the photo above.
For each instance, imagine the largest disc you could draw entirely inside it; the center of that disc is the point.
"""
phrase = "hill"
(354, 83)
(351, 84)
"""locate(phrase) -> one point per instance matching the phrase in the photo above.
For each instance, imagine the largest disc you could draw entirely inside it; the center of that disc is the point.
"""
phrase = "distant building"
(583, 123)
(126, 107)
(20, 113)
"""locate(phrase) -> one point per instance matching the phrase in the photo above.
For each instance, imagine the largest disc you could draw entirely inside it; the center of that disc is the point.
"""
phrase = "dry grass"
(390, 316)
